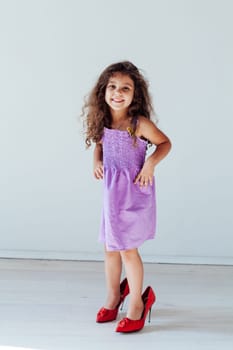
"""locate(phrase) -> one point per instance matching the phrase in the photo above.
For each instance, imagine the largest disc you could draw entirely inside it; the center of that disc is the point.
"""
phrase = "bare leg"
(134, 272)
(113, 269)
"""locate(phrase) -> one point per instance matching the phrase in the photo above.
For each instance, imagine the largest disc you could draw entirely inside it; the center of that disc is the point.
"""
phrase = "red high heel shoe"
(127, 325)
(107, 315)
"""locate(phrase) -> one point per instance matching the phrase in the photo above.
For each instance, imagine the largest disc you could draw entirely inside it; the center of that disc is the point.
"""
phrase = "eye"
(126, 88)
(111, 86)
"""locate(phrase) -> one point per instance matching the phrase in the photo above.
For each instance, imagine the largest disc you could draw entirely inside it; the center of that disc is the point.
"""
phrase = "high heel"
(127, 325)
(107, 315)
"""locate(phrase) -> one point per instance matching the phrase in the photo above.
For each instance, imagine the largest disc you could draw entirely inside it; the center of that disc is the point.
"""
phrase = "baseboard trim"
(86, 256)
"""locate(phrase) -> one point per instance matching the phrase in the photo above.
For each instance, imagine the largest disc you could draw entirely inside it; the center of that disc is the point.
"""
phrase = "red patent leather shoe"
(107, 315)
(126, 325)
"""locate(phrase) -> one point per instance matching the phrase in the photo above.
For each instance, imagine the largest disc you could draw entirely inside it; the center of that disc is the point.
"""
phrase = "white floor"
(52, 305)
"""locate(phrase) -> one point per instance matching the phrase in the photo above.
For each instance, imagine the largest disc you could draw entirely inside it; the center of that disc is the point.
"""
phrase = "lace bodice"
(119, 150)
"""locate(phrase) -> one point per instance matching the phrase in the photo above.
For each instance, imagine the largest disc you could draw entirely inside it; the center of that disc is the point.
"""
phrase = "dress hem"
(126, 248)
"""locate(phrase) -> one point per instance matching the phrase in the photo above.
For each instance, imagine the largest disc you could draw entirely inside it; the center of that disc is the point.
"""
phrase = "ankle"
(112, 301)
(135, 310)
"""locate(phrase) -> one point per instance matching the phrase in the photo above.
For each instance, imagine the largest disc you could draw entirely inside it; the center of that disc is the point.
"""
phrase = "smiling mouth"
(117, 101)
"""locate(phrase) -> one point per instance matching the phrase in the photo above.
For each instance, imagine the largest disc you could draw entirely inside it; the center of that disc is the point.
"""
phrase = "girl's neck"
(120, 120)
(118, 116)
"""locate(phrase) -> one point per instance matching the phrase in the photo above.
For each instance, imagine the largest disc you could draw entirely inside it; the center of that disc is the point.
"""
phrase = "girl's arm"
(149, 131)
(98, 161)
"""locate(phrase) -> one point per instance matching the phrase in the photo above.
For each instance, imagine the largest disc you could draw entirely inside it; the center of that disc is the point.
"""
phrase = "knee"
(129, 255)
(112, 254)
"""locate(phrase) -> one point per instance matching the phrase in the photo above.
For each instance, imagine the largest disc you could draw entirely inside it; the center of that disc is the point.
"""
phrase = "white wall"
(51, 54)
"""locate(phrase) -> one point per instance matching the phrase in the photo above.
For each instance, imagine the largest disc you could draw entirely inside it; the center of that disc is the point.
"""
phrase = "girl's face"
(119, 92)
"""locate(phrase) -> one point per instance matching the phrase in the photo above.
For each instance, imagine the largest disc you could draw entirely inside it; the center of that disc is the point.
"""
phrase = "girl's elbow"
(169, 144)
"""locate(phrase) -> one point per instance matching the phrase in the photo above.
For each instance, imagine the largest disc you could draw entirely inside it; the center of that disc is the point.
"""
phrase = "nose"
(118, 91)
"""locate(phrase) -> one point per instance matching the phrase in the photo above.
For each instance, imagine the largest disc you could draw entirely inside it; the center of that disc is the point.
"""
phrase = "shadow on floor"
(194, 320)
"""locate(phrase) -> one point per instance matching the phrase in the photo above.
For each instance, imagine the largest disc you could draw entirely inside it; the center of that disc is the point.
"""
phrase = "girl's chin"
(118, 106)
(114, 108)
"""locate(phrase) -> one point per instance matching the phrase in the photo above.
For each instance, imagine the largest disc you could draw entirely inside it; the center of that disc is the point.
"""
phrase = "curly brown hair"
(96, 112)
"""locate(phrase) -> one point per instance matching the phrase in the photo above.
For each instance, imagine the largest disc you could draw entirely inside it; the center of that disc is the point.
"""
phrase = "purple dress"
(128, 216)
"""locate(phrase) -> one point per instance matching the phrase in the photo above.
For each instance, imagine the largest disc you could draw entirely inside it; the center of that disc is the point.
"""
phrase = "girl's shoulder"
(148, 129)
(141, 120)
(143, 124)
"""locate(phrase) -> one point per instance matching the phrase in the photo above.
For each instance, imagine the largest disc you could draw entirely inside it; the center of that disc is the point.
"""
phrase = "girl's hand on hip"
(145, 177)
(99, 170)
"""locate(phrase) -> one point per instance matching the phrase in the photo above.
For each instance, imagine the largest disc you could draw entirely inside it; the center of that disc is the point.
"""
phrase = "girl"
(117, 119)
